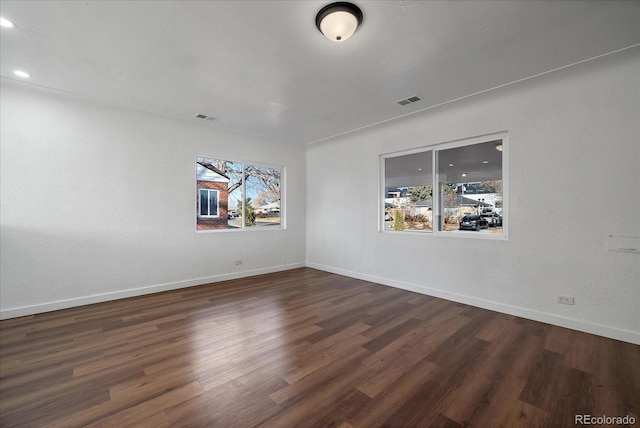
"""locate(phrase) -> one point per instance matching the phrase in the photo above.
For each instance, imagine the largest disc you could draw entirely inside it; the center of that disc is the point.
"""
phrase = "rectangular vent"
(205, 117)
(409, 100)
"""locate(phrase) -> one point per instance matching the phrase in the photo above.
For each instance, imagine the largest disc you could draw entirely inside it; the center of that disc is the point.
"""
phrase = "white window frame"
(217, 192)
(243, 227)
(435, 148)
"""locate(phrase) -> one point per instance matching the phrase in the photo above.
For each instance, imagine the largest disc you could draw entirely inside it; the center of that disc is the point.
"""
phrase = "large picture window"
(469, 182)
(234, 195)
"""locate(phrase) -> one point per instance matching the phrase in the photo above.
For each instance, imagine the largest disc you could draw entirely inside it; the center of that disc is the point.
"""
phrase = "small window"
(234, 195)
(209, 203)
(450, 188)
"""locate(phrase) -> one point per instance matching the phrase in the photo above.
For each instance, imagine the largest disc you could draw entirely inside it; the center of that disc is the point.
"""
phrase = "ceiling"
(262, 67)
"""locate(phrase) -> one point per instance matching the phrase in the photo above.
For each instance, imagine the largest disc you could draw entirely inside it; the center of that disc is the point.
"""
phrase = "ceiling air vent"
(409, 100)
(205, 117)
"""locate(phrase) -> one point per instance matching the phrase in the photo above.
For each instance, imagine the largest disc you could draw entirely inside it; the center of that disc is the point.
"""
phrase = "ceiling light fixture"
(499, 147)
(338, 21)
(4, 22)
(21, 73)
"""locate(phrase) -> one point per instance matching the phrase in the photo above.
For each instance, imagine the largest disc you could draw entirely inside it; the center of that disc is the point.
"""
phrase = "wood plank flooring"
(305, 348)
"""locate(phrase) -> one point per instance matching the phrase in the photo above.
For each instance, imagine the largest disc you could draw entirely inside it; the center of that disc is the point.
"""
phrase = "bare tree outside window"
(248, 195)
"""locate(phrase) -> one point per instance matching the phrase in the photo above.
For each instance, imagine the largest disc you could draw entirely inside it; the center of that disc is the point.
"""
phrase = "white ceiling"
(263, 68)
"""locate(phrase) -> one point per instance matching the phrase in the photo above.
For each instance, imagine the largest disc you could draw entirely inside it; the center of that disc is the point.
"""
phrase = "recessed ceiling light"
(450, 164)
(4, 22)
(464, 174)
(485, 161)
(419, 169)
(21, 73)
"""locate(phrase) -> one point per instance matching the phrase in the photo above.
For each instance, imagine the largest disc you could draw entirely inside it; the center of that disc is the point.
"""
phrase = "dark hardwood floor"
(305, 348)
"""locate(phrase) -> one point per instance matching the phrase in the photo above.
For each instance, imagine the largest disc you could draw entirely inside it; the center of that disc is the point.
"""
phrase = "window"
(469, 181)
(262, 202)
(234, 195)
(208, 203)
(409, 192)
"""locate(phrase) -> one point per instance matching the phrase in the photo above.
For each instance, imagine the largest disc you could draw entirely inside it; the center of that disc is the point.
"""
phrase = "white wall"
(98, 203)
(574, 160)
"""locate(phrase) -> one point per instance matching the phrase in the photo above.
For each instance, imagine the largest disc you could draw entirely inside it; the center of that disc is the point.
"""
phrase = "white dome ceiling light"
(338, 21)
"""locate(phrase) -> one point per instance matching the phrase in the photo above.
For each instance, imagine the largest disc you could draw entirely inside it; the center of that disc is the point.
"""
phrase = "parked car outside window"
(473, 222)
(492, 219)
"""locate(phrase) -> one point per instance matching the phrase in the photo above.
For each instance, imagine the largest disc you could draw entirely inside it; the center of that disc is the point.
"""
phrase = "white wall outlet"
(238, 262)
(566, 300)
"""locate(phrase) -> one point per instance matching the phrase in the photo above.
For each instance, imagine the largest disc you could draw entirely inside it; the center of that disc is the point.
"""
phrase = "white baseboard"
(115, 295)
(580, 325)
(584, 326)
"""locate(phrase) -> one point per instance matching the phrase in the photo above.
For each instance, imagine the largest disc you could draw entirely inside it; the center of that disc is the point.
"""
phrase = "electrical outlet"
(566, 300)
(238, 262)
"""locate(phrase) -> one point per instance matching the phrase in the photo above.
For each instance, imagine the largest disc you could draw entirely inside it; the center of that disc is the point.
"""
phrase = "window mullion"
(435, 194)
(244, 198)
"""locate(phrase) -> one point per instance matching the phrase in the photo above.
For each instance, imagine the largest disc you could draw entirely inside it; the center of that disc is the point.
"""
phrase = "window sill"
(462, 234)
